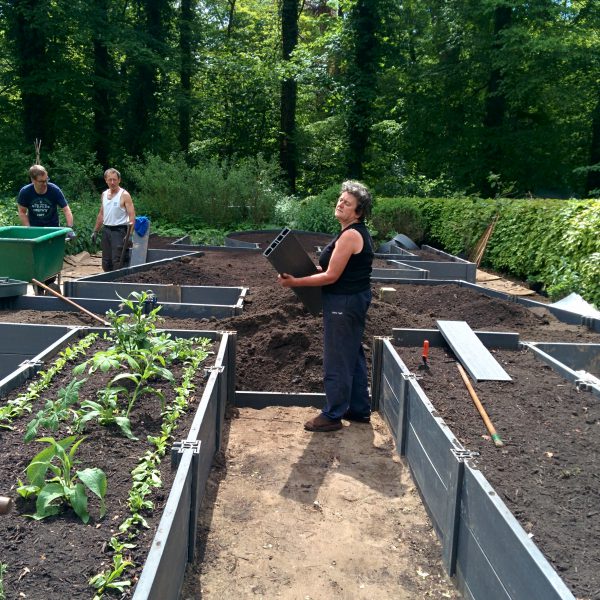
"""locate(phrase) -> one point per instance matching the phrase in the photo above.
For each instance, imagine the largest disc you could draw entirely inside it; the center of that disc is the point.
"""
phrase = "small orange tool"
(425, 355)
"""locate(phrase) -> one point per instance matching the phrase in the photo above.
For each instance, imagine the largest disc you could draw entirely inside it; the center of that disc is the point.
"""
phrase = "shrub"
(317, 212)
(217, 194)
(395, 215)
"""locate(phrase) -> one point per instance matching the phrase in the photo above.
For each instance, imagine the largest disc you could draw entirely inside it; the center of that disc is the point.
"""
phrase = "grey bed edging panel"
(496, 559)
(28, 356)
(258, 400)
(101, 307)
(416, 337)
(163, 572)
(166, 562)
(469, 533)
(543, 351)
(432, 451)
(287, 255)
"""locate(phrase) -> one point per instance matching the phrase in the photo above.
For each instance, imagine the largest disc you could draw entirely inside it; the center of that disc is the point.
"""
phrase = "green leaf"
(48, 494)
(36, 472)
(26, 491)
(125, 425)
(80, 368)
(79, 502)
(129, 376)
(95, 480)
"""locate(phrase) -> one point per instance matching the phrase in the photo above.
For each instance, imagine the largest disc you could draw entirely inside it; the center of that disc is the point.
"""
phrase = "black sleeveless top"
(356, 277)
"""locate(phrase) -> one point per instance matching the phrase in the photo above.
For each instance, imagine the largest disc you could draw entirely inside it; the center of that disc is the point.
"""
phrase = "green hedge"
(553, 242)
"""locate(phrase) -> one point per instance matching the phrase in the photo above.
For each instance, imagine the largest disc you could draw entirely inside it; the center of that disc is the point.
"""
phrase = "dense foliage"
(479, 97)
(552, 242)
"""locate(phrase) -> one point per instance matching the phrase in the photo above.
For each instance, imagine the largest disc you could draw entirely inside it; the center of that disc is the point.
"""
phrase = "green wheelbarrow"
(28, 253)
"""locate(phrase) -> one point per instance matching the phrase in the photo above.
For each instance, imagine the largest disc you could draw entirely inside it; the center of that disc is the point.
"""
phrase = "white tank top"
(113, 213)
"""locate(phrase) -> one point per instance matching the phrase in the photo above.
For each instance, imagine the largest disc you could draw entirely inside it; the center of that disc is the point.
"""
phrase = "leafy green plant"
(107, 411)
(109, 579)
(64, 487)
(132, 330)
(55, 411)
(146, 366)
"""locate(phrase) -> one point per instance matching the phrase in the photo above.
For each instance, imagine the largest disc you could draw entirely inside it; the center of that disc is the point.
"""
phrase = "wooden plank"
(471, 353)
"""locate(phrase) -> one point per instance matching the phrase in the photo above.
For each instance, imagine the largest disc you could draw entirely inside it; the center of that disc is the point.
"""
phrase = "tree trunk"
(495, 104)
(287, 135)
(101, 85)
(185, 48)
(362, 70)
(141, 132)
(29, 32)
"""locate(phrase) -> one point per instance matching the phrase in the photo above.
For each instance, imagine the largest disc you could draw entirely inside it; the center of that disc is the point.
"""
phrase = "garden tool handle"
(126, 242)
(6, 504)
(425, 350)
(488, 423)
(69, 301)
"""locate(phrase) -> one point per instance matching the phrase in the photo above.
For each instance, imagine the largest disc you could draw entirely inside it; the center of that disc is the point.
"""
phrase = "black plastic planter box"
(483, 545)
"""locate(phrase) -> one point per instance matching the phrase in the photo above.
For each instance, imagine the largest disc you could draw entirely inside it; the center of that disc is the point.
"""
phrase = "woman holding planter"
(345, 278)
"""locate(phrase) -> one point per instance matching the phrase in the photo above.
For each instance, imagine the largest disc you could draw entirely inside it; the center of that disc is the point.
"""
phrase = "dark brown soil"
(308, 240)
(280, 349)
(161, 242)
(55, 557)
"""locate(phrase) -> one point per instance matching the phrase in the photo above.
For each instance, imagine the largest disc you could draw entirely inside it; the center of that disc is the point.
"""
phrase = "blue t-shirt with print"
(42, 208)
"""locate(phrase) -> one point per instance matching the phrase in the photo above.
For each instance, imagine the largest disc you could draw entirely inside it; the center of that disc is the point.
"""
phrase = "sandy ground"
(295, 515)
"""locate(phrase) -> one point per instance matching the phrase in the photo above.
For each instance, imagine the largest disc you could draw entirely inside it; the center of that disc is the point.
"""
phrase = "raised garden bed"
(57, 556)
(261, 238)
(546, 472)
(277, 337)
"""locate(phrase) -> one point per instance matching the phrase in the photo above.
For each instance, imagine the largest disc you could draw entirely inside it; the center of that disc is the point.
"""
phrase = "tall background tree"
(287, 135)
(424, 96)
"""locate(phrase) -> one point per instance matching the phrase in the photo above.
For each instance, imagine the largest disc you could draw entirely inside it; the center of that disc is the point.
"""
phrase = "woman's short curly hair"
(364, 201)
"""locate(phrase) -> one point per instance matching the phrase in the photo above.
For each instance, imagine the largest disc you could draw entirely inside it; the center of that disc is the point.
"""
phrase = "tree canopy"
(479, 96)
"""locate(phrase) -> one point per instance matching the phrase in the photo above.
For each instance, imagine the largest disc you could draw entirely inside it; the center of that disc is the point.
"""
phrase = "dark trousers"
(113, 240)
(345, 375)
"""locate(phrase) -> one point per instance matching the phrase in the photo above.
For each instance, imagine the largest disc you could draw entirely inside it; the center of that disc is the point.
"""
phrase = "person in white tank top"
(117, 216)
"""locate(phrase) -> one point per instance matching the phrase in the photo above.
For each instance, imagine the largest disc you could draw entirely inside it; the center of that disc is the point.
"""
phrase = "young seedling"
(55, 411)
(108, 580)
(65, 487)
(106, 410)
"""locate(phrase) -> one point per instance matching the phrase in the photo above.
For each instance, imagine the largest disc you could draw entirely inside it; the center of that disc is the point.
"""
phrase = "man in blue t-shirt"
(38, 202)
